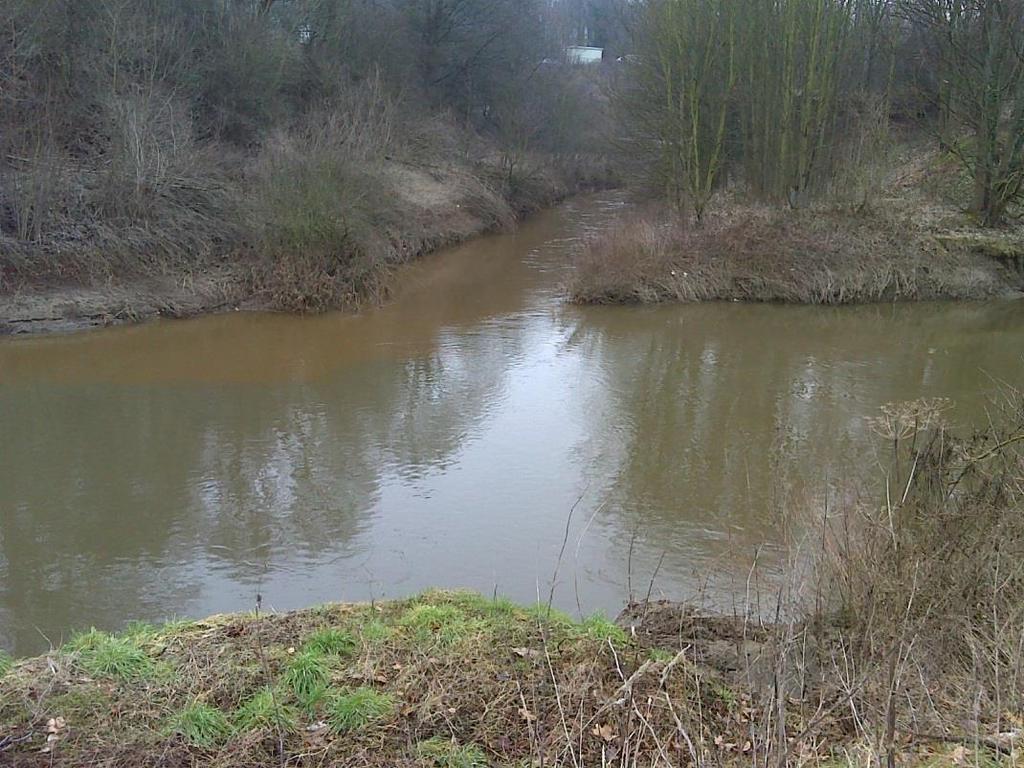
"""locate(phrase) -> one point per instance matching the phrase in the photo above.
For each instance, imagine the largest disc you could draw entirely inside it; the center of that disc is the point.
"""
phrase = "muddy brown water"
(182, 468)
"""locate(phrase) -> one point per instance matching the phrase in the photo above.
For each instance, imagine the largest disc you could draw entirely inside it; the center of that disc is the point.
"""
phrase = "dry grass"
(929, 583)
(756, 253)
(444, 678)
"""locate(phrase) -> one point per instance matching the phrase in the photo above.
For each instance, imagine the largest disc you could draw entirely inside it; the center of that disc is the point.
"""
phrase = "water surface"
(180, 468)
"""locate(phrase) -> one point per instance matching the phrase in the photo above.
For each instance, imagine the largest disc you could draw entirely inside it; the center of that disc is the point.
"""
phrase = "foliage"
(599, 627)
(680, 93)
(374, 632)
(162, 136)
(441, 624)
(976, 48)
(930, 578)
(331, 641)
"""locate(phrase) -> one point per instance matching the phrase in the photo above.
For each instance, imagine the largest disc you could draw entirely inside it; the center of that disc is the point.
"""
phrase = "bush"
(929, 583)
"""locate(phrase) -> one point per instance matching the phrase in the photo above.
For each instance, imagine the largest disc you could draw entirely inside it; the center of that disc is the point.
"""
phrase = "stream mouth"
(182, 468)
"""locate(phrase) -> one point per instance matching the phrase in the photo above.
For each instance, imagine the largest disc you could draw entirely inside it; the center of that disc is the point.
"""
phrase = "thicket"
(785, 97)
(148, 135)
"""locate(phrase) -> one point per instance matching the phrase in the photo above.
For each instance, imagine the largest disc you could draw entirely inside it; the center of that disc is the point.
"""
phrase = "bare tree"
(978, 47)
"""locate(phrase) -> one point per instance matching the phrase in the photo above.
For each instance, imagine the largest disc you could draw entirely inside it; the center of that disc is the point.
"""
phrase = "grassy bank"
(446, 680)
(909, 243)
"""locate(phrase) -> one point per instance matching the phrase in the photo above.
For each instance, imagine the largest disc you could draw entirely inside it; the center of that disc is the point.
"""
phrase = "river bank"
(445, 679)
(419, 208)
(908, 242)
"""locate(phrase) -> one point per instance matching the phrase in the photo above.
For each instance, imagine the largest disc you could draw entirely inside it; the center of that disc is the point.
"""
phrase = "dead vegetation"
(447, 679)
(929, 584)
(824, 254)
(284, 147)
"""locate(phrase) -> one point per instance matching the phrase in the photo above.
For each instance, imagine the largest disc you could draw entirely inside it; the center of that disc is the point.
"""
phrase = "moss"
(6, 662)
(104, 655)
(201, 725)
(444, 753)
(358, 708)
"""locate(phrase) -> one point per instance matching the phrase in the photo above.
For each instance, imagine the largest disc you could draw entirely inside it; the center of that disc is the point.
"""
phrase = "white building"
(583, 54)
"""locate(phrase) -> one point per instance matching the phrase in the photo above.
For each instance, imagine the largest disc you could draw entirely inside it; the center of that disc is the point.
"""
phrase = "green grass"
(177, 627)
(440, 624)
(375, 632)
(660, 655)
(550, 617)
(442, 753)
(104, 655)
(358, 708)
(495, 607)
(599, 627)
(306, 675)
(331, 642)
(264, 710)
(201, 725)
(6, 662)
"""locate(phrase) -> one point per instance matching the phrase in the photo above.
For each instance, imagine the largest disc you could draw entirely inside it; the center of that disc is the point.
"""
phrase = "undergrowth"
(823, 255)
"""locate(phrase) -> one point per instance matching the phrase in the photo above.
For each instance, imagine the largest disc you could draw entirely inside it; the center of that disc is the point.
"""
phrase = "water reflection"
(179, 468)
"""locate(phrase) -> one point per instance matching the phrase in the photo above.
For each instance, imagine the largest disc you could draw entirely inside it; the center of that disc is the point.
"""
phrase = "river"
(180, 468)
